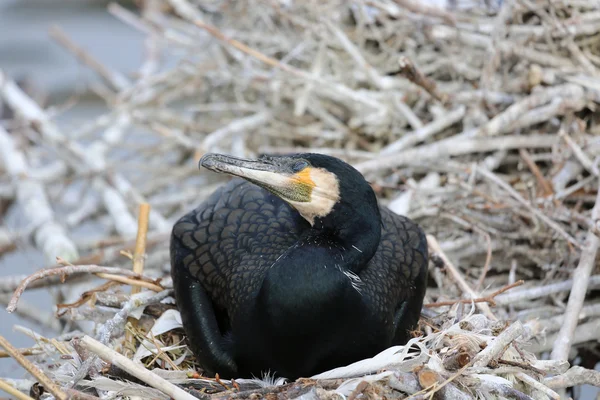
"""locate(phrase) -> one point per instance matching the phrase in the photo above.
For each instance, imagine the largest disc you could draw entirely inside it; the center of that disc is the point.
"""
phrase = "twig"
(575, 376)
(114, 326)
(240, 125)
(586, 332)
(457, 146)
(5, 387)
(50, 237)
(492, 177)
(537, 385)
(152, 11)
(537, 292)
(355, 53)
(421, 134)
(185, 9)
(77, 154)
(493, 54)
(84, 297)
(425, 9)
(140, 243)
(579, 153)
(138, 256)
(457, 276)
(32, 351)
(488, 240)
(581, 279)
(135, 284)
(69, 270)
(412, 73)
(487, 299)
(494, 349)
(134, 369)
(33, 370)
(546, 186)
(502, 122)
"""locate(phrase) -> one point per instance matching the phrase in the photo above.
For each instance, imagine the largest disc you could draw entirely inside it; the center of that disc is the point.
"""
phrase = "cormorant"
(294, 269)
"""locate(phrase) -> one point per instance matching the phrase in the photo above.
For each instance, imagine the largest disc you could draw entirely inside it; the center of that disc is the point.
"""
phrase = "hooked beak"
(274, 177)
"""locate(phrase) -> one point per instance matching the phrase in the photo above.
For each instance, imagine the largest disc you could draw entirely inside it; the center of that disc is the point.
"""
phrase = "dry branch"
(5, 387)
(134, 369)
(49, 235)
(457, 276)
(457, 146)
(581, 278)
(574, 376)
(33, 370)
(69, 270)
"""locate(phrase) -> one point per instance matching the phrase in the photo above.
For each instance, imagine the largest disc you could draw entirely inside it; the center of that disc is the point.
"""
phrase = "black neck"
(357, 230)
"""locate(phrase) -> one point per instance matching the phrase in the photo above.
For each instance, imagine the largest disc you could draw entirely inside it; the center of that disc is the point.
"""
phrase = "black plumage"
(260, 289)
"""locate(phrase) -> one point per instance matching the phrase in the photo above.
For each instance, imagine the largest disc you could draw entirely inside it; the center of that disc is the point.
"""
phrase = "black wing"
(395, 279)
(219, 254)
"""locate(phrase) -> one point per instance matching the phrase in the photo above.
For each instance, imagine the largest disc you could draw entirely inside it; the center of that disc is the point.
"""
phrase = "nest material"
(477, 122)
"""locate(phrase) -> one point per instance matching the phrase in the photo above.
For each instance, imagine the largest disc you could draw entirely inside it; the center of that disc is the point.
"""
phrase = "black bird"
(294, 269)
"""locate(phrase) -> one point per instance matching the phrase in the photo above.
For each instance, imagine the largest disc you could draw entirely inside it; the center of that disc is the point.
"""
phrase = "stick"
(464, 286)
(5, 387)
(579, 153)
(488, 299)
(581, 280)
(33, 370)
(140, 242)
(32, 351)
(239, 125)
(69, 270)
(438, 125)
(114, 326)
(498, 344)
(538, 385)
(76, 154)
(586, 332)
(492, 177)
(135, 285)
(138, 257)
(151, 11)
(546, 186)
(575, 376)
(502, 122)
(49, 236)
(425, 9)
(134, 369)
(186, 10)
(412, 73)
(542, 291)
(457, 146)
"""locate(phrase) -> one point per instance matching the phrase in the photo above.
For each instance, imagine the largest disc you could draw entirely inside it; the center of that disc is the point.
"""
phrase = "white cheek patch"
(324, 196)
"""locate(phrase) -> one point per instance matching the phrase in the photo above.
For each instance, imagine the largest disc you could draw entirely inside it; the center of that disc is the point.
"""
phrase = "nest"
(477, 121)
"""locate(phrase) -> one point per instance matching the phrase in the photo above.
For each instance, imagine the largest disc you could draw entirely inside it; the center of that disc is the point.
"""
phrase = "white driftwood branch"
(50, 237)
(137, 370)
(581, 279)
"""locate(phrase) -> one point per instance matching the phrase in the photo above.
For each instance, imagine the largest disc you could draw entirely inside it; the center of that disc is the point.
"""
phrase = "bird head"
(311, 183)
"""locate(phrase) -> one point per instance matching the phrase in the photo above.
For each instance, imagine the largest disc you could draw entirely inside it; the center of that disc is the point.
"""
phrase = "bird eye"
(299, 166)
